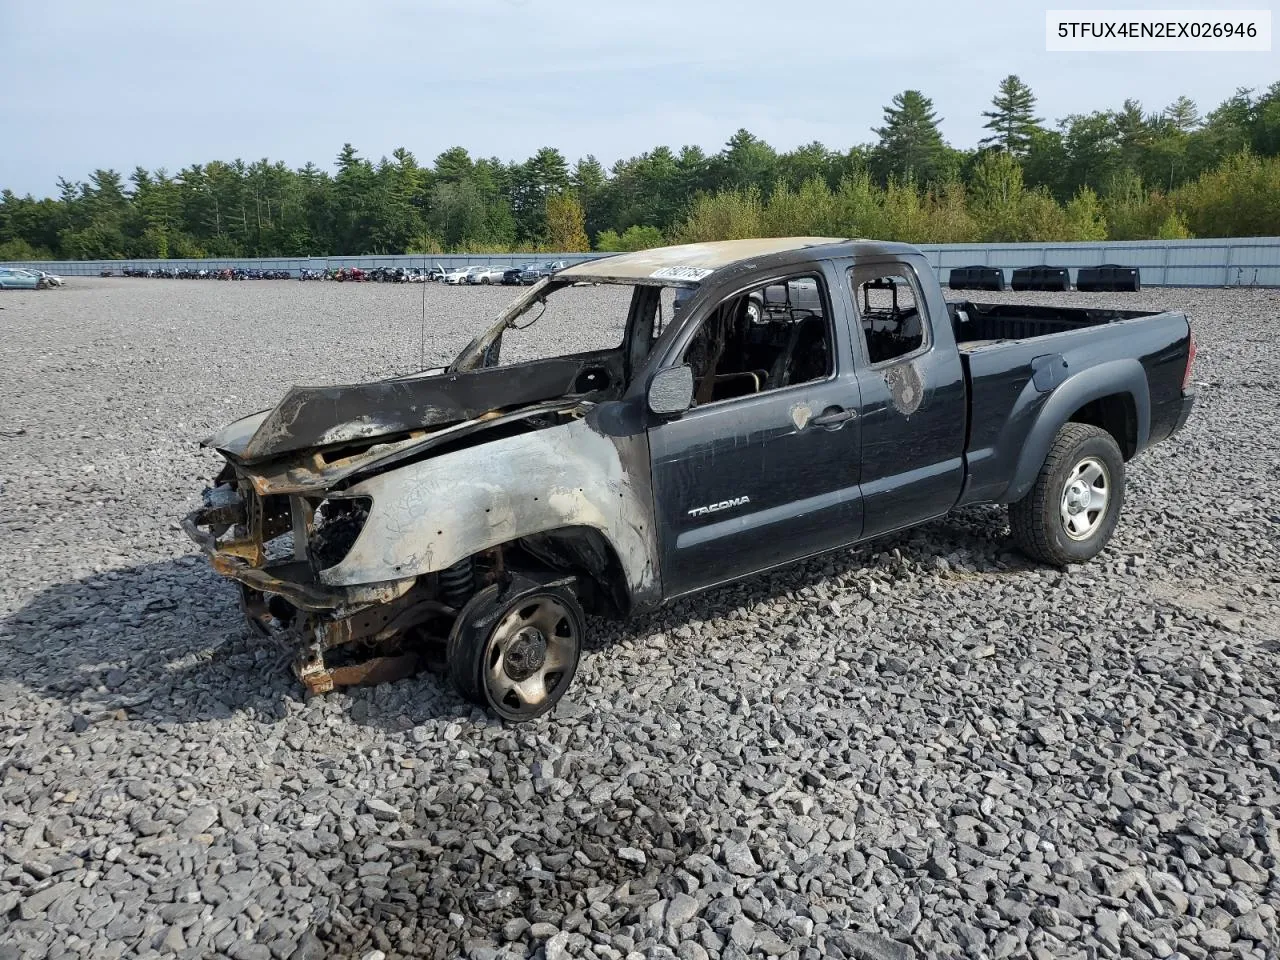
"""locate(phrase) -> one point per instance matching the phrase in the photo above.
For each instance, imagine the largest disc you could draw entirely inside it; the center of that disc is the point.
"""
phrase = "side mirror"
(671, 390)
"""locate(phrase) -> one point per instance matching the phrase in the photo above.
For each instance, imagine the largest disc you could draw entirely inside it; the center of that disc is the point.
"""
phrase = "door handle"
(833, 418)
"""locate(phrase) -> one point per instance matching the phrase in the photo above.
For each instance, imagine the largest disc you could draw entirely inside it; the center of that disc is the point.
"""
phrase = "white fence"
(1246, 261)
(1242, 262)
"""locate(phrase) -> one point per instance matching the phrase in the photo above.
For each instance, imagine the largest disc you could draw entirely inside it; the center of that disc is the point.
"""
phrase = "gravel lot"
(924, 747)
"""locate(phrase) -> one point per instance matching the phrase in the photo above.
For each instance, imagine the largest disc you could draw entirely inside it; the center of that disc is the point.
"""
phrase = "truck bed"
(979, 325)
(1002, 346)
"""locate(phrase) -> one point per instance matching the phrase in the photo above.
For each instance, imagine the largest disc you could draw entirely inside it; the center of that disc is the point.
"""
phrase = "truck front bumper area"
(294, 580)
(339, 636)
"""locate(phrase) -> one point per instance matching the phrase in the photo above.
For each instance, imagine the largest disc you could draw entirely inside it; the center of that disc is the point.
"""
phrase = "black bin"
(1109, 277)
(976, 278)
(1042, 278)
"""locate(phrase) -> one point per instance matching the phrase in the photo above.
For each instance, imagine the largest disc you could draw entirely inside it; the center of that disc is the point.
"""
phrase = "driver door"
(765, 467)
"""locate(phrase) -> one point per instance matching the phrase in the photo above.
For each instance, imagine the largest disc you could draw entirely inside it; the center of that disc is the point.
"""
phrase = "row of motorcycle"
(374, 275)
(227, 273)
(341, 274)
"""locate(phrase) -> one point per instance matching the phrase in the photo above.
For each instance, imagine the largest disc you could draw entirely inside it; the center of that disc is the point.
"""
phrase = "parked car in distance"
(489, 505)
(53, 278)
(14, 278)
(436, 273)
(511, 275)
(486, 275)
(534, 272)
(455, 275)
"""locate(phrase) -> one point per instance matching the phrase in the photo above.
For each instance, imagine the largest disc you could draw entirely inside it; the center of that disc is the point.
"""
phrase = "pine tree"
(1013, 120)
(910, 144)
(1182, 114)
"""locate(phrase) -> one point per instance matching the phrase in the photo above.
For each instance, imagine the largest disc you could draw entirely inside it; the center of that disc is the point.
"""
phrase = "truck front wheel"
(1071, 511)
(516, 652)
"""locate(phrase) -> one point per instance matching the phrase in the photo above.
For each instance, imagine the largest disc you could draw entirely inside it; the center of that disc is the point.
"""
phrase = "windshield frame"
(472, 355)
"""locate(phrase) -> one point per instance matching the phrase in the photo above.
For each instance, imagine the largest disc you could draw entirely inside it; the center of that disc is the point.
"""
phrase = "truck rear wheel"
(516, 653)
(1071, 511)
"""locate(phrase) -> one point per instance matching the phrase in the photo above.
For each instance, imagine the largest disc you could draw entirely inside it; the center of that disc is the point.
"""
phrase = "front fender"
(428, 515)
(1105, 379)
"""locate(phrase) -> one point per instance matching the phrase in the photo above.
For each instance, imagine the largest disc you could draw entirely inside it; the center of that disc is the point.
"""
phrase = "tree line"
(1119, 174)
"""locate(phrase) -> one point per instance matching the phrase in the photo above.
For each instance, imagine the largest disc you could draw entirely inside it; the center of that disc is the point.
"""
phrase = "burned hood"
(310, 417)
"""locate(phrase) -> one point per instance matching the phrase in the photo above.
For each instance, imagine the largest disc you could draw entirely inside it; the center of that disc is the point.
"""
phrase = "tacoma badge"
(722, 505)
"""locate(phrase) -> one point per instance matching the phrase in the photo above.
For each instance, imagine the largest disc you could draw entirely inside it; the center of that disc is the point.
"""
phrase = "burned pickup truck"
(482, 509)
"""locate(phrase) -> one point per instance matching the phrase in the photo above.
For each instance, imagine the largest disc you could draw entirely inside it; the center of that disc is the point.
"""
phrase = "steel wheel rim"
(1086, 497)
(531, 656)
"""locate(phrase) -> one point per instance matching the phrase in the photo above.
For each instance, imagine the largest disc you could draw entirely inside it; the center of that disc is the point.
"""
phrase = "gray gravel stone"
(381, 810)
(872, 946)
(872, 751)
(739, 858)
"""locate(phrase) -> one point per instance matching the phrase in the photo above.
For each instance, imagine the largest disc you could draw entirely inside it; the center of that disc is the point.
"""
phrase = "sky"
(91, 85)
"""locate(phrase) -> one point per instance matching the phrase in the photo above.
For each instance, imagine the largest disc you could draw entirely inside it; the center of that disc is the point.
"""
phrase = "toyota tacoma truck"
(482, 509)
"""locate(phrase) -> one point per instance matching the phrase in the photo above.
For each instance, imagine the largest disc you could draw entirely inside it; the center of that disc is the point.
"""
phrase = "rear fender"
(1110, 377)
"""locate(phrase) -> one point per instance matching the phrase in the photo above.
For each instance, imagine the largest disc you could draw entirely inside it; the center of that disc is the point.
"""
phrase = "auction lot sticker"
(681, 273)
(1172, 31)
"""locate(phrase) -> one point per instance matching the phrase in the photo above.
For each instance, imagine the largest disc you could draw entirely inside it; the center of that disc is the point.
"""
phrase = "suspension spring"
(457, 582)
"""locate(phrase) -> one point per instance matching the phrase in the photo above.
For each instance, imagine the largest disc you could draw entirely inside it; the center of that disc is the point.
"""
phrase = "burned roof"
(689, 262)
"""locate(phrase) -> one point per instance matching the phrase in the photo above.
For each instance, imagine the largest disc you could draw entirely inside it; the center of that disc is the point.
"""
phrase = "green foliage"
(566, 223)
(1118, 174)
(1243, 195)
(727, 215)
(424, 243)
(21, 250)
(634, 238)
(1173, 227)
(1085, 218)
(807, 212)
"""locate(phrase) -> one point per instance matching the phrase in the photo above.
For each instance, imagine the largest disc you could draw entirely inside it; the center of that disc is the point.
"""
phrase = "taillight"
(1191, 358)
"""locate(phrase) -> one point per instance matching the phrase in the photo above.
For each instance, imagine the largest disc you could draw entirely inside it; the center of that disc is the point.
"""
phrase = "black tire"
(517, 628)
(1053, 523)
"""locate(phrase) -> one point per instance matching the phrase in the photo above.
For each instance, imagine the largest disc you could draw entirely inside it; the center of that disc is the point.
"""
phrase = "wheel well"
(1115, 414)
(586, 552)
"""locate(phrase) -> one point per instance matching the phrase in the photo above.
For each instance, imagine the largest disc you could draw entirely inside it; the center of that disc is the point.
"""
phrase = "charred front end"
(358, 522)
(278, 547)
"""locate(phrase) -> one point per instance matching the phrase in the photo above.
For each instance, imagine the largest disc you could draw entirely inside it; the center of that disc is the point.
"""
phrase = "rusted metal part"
(257, 613)
(319, 679)
(373, 653)
(311, 670)
(376, 624)
(375, 671)
(293, 580)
